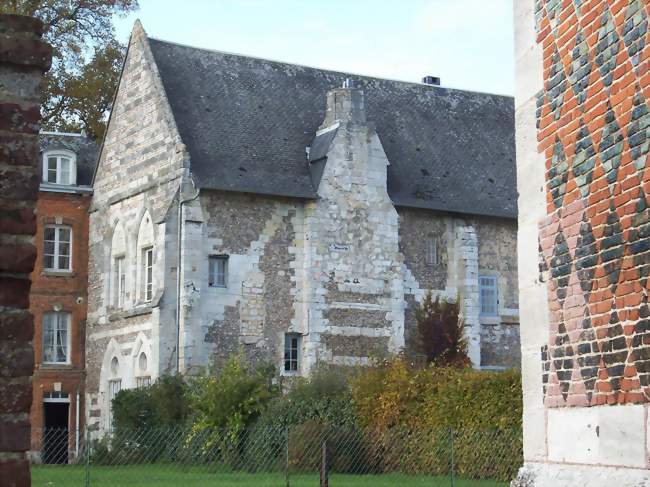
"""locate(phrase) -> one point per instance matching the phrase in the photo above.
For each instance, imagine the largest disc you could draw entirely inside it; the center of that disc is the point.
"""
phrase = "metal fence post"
(324, 481)
(451, 449)
(286, 457)
(87, 459)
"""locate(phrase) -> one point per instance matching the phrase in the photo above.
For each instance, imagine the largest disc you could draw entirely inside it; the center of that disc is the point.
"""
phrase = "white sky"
(468, 43)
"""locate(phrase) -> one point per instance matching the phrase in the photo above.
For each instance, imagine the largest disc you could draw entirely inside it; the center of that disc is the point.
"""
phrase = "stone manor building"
(294, 213)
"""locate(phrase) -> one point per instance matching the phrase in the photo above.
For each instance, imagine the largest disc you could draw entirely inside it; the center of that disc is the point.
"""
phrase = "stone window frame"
(213, 260)
(292, 353)
(56, 337)
(56, 255)
(59, 155)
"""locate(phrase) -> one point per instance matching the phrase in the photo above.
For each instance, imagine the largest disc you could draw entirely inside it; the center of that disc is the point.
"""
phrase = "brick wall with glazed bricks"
(593, 124)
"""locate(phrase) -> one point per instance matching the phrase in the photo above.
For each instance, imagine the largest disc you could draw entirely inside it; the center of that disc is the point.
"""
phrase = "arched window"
(118, 267)
(60, 167)
(146, 258)
(114, 386)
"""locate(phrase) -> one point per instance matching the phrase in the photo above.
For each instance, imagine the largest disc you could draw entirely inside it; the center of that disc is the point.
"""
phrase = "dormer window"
(59, 167)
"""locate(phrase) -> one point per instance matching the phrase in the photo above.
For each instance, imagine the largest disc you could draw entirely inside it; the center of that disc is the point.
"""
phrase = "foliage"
(164, 403)
(323, 397)
(234, 399)
(484, 407)
(395, 393)
(440, 336)
(86, 62)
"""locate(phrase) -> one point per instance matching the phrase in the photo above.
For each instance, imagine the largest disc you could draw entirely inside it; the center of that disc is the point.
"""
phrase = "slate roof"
(86, 149)
(247, 121)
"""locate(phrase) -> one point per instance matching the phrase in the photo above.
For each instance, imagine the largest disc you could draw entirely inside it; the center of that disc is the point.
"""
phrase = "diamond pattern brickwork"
(593, 123)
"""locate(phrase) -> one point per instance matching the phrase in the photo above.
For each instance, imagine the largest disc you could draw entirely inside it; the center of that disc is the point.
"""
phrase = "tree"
(87, 59)
(440, 332)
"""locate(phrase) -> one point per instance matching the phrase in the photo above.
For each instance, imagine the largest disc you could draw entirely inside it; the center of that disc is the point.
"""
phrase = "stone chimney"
(345, 104)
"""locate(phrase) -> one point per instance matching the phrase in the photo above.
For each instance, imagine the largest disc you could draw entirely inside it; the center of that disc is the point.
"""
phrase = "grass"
(161, 475)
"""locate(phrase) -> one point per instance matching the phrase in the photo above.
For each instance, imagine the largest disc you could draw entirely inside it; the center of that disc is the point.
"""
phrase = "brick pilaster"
(23, 59)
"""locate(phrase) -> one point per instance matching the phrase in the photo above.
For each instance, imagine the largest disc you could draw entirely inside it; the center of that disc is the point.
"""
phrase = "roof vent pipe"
(349, 83)
(431, 80)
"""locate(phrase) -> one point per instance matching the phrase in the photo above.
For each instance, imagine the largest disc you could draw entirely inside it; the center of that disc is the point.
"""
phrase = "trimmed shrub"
(483, 409)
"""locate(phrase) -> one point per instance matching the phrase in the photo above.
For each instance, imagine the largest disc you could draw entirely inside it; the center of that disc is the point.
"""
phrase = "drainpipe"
(76, 431)
(179, 244)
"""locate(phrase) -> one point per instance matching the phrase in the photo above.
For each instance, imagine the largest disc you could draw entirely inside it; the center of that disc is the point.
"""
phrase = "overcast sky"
(468, 43)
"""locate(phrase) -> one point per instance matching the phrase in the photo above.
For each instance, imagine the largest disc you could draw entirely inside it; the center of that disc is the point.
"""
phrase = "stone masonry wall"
(258, 304)
(23, 59)
(594, 129)
(136, 188)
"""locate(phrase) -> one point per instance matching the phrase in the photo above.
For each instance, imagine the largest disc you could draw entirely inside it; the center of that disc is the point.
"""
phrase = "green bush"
(225, 406)
(164, 403)
(483, 408)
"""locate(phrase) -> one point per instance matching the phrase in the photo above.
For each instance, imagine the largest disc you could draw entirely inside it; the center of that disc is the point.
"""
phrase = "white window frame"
(147, 273)
(114, 387)
(59, 155)
(142, 381)
(216, 278)
(58, 316)
(432, 251)
(292, 354)
(483, 285)
(57, 254)
(119, 280)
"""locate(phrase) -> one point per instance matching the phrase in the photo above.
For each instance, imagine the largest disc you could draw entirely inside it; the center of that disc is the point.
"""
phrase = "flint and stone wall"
(343, 271)
(583, 130)
(23, 59)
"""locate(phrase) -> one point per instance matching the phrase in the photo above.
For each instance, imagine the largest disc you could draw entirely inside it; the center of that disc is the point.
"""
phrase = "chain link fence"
(311, 454)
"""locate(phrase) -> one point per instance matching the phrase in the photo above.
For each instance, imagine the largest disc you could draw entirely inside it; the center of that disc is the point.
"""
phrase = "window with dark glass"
(57, 249)
(291, 352)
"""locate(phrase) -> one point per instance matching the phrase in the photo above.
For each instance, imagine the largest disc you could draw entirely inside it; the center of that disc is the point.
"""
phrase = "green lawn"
(161, 475)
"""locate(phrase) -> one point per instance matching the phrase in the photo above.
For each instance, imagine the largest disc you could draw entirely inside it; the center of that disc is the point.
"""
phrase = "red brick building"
(58, 294)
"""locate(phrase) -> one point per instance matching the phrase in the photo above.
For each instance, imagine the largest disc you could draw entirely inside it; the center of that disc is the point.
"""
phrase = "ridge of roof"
(327, 70)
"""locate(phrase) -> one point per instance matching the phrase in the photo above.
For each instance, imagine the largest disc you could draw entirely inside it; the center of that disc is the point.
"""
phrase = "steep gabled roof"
(246, 123)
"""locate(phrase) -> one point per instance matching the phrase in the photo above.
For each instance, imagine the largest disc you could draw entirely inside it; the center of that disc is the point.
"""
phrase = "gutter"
(179, 247)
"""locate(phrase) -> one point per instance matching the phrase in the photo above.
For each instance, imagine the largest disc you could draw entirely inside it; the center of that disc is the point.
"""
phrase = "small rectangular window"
(432, 251)
(218, 271)
(291, 352)
(56, 338)
(147, 260)
(488, 295)
(120, 281)
(57, 241)
(144, 381)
